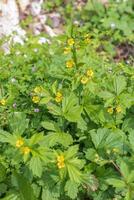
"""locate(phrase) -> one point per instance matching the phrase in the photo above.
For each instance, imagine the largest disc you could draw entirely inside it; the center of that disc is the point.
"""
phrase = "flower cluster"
(37, 90)
(70, 42)
(20, 144)
(87, 77)
(60, 162)
(58, 97)
(70, 63)
(25, 150)
(117, 109)
(87, 39)
(67, 50)
(110, 110)
(35, 99)
(3, 102)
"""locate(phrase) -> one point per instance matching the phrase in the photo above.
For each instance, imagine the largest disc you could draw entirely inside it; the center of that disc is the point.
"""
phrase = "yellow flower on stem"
(67, 50)
(90, 73)
(118, 109)
(19, 143)
(110, 110)
(84, 79)
(35, 99)
(38, 89)
(70, 63)
(3, 102)
(25, 150)
(58, 97)
(60, 161)
(70, 41)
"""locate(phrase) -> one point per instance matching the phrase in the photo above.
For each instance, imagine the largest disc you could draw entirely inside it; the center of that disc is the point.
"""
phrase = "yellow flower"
(35, 99)
(87, 40)
(25, 150)
(86, 35)
(70, 41)
(90, 73)
(58, 97)
(67, 50)
(60, 158)
(110, 110)
(60, 161)
(3, 102)
(38, 89)
(118, 109)
(59, 94)
(115, 150)
(84, 79)
(70, 63)
(19, 143)
(61, 165)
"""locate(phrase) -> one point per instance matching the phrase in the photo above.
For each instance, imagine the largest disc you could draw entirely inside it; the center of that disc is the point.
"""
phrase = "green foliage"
(72, 189)
(67, 109)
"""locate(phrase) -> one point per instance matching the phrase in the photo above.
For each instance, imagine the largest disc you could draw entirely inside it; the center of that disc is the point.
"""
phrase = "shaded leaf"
(71, 189)
(36, 166)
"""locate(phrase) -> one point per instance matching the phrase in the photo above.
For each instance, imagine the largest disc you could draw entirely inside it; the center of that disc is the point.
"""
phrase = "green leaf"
(74, 164)
(130, 177)
(45, 100)
(74, 173)
(81, 124)
(131, 139)
(36, 138)
(71, 188)
(58, 138)
(54, 109)
(91, 182)
(24, 187)
(3, 188)
(128, 124)
(90, 154)
(106, 95)
(71, 109)
(95, 112)
(48, 125)
(18, 122)
(11, 197)
(48, 195)
(129, 195)
(72, 151)
(119, 84)
(5, 137)
(104, 138)
(36, 166)
(124, 169)
(116, 182)
(99, 137)
(2, 173)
